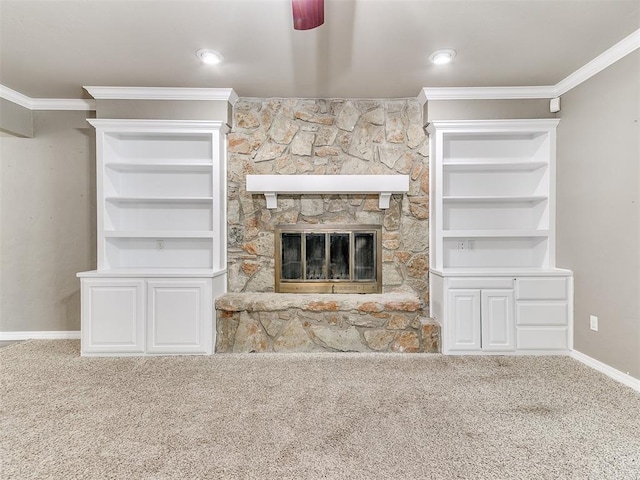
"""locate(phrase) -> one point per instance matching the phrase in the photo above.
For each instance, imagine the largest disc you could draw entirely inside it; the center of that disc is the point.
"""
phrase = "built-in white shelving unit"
(492, 226)
(161, 198)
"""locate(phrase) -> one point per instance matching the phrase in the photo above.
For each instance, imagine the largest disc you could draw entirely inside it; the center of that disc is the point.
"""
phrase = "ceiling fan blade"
(307, 14)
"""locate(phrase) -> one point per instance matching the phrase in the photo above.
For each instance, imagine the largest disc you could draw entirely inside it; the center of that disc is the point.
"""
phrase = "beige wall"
(598, 212)
(15, 119)
(486, 109)
(47, 235)
(213, 110)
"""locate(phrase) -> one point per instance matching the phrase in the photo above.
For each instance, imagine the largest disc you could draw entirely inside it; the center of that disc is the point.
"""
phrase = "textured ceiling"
(366, 48)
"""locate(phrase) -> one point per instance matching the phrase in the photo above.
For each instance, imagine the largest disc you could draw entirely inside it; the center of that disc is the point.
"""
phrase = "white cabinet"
(137, 316)
(113, 315)
(497, 323)
(494, 285)
(179, 316)
(464, 320)
(479, 320)
(161, 203)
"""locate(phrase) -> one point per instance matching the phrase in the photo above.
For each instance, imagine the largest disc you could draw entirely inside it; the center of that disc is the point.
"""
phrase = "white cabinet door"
(113, 312)
(463, 329)
(180, 316)
(498, 326)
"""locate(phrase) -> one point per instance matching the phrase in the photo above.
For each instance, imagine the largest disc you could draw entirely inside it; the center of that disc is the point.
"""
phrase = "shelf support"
(272, 199)
(384, 200)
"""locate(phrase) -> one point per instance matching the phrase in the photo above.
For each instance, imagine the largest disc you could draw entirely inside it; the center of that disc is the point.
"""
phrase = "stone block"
(294, 338)
(250, 337)
(348, 117)
(302, 143)
(407, 342)
(343, 340)
(379, 340)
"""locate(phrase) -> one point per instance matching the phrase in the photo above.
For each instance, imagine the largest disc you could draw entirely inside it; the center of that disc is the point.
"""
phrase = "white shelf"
(493, 166)
(159, 199)
(159, 234)
(494, 233)
(496, 199)
(152, 272)
(160, 167)
(272, 185)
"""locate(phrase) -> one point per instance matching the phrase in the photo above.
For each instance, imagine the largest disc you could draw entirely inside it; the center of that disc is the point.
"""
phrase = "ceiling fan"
(307, 14)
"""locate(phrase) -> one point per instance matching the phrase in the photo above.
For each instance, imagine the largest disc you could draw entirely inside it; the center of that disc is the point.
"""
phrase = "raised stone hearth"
(279, 322)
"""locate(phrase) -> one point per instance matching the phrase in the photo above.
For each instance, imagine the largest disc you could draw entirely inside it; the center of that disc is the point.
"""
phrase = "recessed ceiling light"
(210, 57)
(440, 57)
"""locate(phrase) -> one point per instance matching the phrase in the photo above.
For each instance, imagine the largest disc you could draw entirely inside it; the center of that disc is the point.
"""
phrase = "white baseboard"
(40, 335)
(617, 375)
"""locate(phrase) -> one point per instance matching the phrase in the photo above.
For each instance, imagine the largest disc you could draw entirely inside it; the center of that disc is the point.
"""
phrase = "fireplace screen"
(328, 259)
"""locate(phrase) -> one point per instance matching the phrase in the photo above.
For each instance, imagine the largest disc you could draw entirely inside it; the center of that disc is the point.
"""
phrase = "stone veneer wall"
(326, 137)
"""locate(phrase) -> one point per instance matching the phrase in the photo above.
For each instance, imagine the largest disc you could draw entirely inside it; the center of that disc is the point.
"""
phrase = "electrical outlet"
(464, 245)
(593, 323)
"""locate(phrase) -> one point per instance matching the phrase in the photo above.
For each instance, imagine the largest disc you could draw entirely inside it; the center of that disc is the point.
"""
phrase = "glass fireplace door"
(328, 259)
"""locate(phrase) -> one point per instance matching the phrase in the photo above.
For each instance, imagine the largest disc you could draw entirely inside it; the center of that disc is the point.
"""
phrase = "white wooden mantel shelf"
(272, 185)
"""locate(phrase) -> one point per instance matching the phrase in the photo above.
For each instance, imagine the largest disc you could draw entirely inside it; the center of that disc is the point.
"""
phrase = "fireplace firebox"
(328, 259)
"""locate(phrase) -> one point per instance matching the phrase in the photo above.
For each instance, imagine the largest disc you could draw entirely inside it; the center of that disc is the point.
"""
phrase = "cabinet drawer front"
(533, 338)
(541, 313)
(472, 282)
(541, 288)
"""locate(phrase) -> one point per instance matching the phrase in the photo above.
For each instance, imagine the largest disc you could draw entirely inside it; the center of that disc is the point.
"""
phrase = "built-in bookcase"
(494, 283)
(158, 201)
(492, 205)
(161, 202)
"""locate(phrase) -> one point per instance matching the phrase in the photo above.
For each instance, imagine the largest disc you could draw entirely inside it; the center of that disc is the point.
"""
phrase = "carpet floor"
(311, 416)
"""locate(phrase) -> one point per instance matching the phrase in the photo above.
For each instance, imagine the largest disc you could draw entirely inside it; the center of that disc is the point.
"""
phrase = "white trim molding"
(611, 372)
(40, 335)
(46, 103)
(162, 93)
(602, 61)
(485, 93)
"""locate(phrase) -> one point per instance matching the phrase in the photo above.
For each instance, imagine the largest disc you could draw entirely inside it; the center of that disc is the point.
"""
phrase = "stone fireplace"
(326, 137)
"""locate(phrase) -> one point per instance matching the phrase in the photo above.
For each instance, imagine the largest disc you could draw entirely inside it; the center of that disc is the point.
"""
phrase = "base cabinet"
(147, 316)
(503, 314)
(481, 320)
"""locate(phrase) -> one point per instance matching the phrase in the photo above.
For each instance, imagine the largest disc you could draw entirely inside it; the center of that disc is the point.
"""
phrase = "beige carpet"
(311, 416)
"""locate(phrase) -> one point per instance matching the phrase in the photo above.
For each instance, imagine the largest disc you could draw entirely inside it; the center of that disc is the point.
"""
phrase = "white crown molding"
(486, 93)
(39, 335)
(155, 125)
(15, 97)
(602, 61)
(610, 56)
(63, 104)
(46, 103)
(162, 93)
(611, 372)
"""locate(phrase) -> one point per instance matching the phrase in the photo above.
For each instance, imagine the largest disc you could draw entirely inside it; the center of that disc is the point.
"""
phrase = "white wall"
(47, 222)
(598, 211)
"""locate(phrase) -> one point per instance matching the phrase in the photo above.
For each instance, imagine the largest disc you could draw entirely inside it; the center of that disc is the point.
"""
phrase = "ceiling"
(366, 48)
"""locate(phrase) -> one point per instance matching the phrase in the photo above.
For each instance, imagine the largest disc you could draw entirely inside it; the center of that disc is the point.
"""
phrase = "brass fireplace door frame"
(329, 286)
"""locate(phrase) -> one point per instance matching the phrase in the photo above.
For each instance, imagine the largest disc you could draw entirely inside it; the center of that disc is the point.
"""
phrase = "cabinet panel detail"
(541, 313)
(479, 282)
(541, 288)
(113, 316)
(177, 316)
(464, 321)
(497, 320)
(536, 338)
